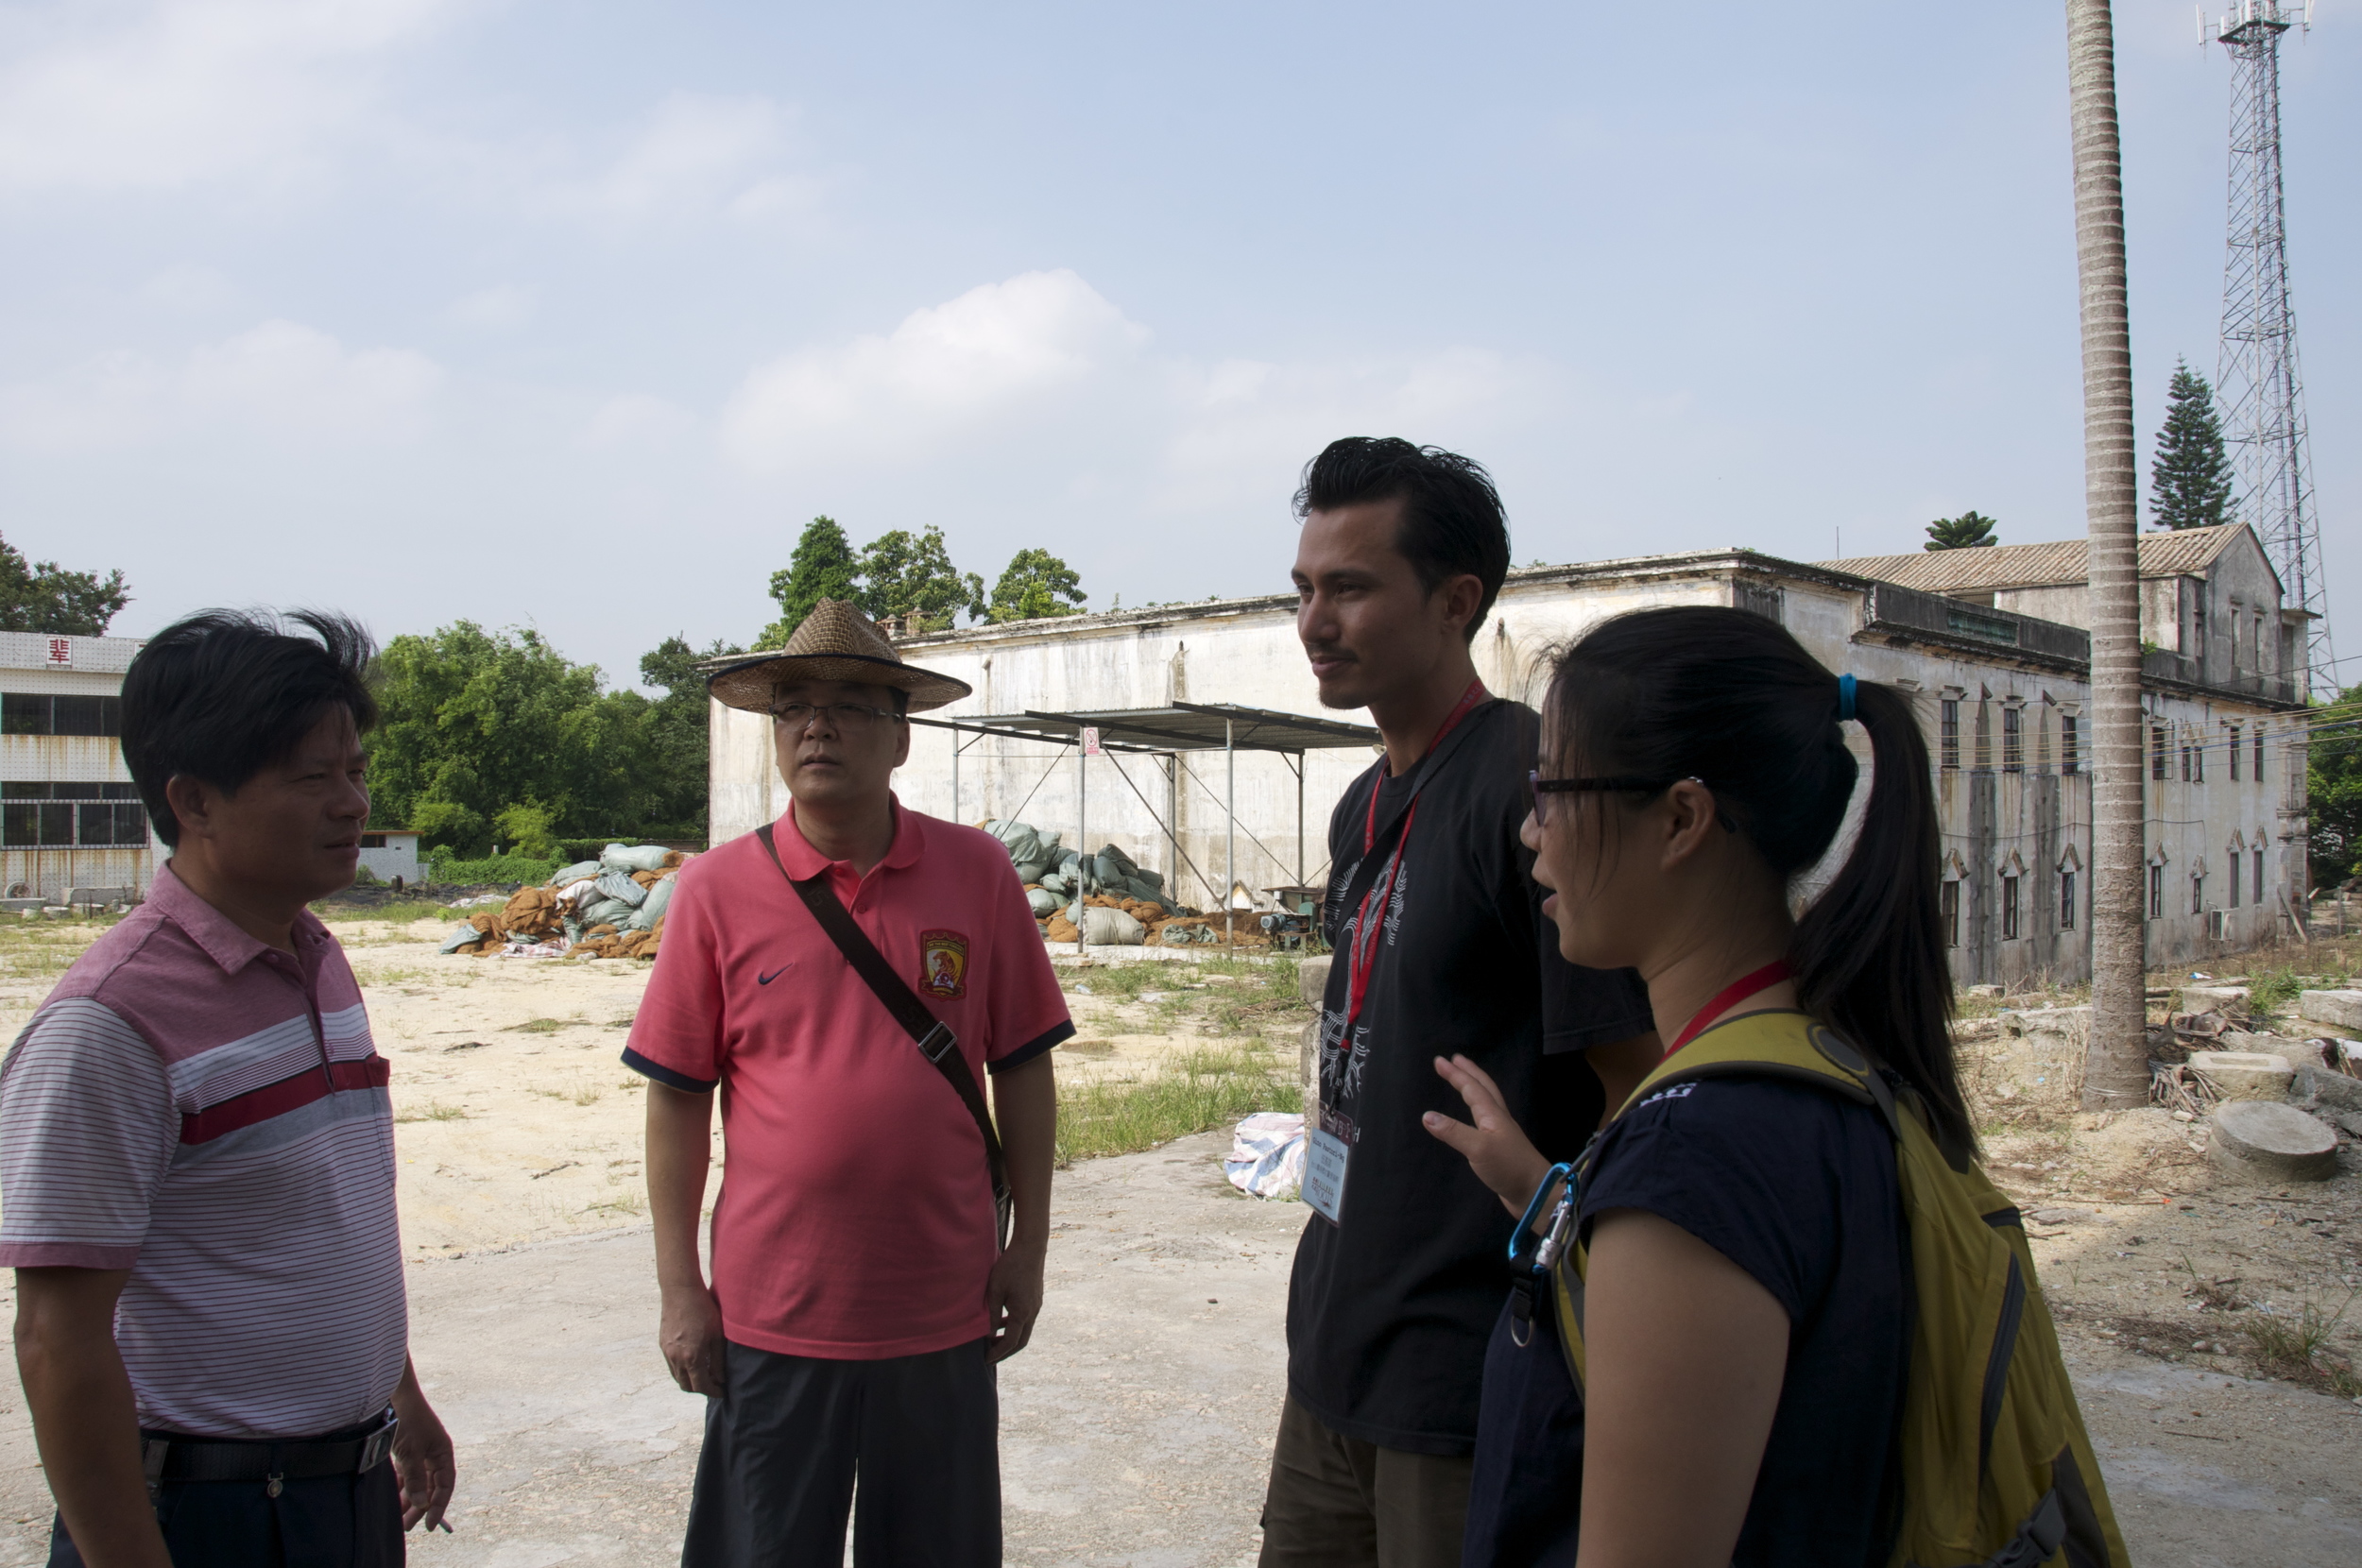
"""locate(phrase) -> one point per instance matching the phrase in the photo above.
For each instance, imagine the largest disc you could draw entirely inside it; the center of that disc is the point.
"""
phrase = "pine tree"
(822, 567)
(2190, 479)
(42, 596)
(1968, 531)
(1033, 586)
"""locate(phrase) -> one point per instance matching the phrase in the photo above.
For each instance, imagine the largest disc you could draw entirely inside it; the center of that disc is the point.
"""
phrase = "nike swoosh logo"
(765, 980)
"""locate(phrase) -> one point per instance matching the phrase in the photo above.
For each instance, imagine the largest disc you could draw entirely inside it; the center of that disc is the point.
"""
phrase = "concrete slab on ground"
(1135, 1427)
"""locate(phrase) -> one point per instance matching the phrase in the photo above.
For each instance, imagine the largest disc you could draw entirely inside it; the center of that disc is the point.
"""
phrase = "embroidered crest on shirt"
(942, 964)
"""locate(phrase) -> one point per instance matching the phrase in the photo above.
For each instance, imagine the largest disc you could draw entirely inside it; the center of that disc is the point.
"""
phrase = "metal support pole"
(1082, 837)
(1299, 826)
(955, 776)
(1230, 818)
(1172, 836)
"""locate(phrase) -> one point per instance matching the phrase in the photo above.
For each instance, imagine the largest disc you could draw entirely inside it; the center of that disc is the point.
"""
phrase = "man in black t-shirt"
(1441, 950)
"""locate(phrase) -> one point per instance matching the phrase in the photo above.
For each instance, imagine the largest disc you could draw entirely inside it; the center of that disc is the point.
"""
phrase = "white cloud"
(985, 357)
(280, 381)
(500, 307)
(173, 93)
(695, 154)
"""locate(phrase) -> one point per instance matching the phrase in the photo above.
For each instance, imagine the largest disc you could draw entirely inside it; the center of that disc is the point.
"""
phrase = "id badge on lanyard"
(1328, 1153)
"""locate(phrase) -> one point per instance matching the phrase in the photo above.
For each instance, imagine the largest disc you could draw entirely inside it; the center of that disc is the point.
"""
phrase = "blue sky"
(572, 315)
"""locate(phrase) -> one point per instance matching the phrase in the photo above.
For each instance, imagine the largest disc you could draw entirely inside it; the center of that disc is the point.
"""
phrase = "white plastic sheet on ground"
(1267, 1156)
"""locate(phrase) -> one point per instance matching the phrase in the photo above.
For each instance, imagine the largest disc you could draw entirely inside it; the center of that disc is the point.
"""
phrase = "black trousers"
(322, 1522)
(790, 1436)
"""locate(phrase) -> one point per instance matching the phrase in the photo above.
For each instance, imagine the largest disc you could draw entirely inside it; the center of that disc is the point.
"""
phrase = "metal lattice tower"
(2257, 378)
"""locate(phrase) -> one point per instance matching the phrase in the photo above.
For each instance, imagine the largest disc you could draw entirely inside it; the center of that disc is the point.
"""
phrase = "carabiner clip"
(1519, 1246)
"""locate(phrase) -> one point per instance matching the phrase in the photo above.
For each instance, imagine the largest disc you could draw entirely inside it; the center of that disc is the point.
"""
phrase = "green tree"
(1969, 531)
(675, 746)
(2190, 479)
(902, 575)
(822, 567)
(1035, 586)
(488, 735)
(2334, 779)
(42, 596)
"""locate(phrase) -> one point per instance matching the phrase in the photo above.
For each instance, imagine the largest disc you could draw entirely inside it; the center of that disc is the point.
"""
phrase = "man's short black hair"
(1451, 514)
(222, 694)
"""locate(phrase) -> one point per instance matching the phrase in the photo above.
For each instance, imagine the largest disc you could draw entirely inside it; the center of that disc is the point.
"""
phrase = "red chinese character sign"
(61, 650)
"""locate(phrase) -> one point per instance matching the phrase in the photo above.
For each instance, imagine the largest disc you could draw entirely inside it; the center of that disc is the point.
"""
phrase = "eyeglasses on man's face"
(1539, 789)
(847, 718)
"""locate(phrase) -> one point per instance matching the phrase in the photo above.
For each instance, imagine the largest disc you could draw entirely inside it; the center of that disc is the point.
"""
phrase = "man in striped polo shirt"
(196, 1151)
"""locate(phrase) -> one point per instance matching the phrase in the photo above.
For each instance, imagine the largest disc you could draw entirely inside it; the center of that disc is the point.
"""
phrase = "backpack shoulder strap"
(1775, 1043)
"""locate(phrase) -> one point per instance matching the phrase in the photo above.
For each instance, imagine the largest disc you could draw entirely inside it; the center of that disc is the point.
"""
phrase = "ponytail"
(1734, 700)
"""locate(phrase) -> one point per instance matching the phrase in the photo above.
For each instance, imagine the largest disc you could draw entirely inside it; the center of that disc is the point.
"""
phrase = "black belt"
(174, 1456)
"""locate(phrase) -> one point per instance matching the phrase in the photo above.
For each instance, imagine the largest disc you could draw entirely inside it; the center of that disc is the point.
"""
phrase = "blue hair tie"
(1844, 698)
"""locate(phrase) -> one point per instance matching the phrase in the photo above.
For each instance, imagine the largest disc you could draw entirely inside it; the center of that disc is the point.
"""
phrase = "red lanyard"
(1360, 956)
(1730, 996)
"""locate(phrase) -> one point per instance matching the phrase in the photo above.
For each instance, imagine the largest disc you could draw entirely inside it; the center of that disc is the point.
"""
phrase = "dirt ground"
(2205, 1324)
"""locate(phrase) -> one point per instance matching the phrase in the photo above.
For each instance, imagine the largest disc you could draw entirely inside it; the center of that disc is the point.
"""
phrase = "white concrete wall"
(2030, 823)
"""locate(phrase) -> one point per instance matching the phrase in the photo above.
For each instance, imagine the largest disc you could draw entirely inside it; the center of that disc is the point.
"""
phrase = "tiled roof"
(2190, 551)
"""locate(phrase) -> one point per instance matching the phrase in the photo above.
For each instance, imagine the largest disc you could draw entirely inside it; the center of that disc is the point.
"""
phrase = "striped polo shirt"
(209, 1112)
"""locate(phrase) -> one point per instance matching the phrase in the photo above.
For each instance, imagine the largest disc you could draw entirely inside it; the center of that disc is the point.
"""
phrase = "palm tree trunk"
(2116, 1073)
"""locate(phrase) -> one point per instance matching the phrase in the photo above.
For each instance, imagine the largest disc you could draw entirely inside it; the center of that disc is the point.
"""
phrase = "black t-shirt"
(1798, 1188)
(1388, 1310)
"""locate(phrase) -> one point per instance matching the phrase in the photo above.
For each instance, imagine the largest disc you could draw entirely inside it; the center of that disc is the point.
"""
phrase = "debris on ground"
(612, 906)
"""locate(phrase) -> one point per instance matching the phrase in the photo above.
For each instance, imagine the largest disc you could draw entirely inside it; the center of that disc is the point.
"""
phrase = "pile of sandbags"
(612, 906)
(607, 942)
(1055, 876)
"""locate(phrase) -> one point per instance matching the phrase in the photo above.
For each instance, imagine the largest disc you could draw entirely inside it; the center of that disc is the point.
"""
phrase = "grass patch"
(1197, 1090)
(2297, 1349)
(399, 915)
(433, 1110)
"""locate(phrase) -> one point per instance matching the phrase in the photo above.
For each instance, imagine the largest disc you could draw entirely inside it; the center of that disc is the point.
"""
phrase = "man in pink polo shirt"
(860, 1295)
(196, 1151)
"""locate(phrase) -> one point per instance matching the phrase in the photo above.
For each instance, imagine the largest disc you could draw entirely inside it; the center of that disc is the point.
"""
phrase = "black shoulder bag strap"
(935, 1041)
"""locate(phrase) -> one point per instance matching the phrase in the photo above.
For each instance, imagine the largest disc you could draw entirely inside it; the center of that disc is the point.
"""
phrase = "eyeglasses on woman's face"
(847, 718)
(1539, 789)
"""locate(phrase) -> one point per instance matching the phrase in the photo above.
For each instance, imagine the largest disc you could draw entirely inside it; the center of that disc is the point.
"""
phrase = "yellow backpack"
(1997, 1469)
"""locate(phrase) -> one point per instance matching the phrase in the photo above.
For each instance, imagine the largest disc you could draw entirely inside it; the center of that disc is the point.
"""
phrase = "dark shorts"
(1526, 1497)
(322, 1522)
(788, 1439)
(1337, 1502)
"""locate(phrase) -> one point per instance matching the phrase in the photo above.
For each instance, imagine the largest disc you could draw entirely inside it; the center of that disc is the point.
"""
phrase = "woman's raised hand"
(1495, 1147)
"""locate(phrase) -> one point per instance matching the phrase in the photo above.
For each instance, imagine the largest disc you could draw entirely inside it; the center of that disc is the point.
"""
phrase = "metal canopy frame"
(1226, 728)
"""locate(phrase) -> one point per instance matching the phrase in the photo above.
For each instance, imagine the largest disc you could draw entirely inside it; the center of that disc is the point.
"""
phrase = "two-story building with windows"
(69, 816)
(2004, 695)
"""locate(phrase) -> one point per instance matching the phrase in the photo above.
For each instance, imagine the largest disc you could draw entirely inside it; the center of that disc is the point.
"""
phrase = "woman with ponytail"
(1747, 1317)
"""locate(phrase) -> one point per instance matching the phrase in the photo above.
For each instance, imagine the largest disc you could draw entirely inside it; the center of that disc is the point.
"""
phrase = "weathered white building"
(69, 816)
(2002, 690)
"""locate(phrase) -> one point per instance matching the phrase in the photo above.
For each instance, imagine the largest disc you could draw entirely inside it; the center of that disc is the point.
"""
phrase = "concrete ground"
(1136, 1425)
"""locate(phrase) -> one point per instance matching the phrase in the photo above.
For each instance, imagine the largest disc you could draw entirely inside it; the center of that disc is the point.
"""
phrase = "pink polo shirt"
(855, 1220)
(209, 1112)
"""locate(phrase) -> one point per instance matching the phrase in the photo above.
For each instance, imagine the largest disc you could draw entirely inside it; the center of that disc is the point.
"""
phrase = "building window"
(2185, 761)
(1950, 899)
(1949, 734)
(2235, 754)
(372, 840)
(2157, 753)
(2156, 893)
(2008, 909)
(2066, 900)
(2012, 740)
(65, 816)
(40, 713)
(2197, 762)
(2198, 892)
(2070, 743)
(2231, 898)
(2259, 754)
(2258, 856)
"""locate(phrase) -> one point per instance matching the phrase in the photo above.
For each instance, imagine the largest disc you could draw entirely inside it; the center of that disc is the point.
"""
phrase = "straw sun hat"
(835, 643)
